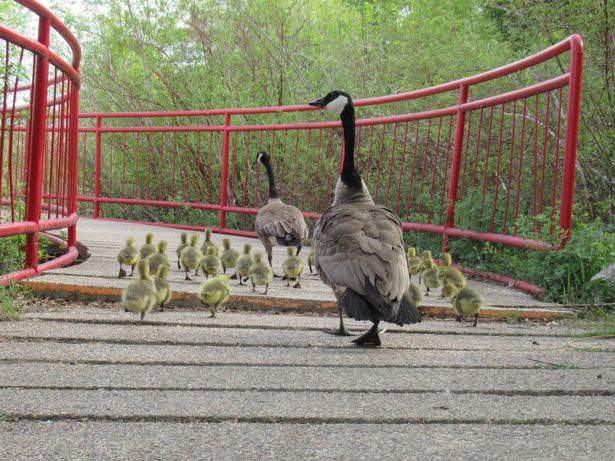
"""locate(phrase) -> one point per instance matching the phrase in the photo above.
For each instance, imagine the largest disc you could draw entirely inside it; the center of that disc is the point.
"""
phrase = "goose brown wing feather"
(361, 247)
(280, 219)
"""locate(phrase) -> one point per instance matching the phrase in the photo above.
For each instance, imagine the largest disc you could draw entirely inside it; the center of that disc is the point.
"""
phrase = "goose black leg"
(369, 339)
(341, 331)
(270, 258)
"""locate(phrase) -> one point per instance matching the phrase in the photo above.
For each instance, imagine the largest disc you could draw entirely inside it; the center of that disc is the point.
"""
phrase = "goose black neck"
(273, 192)
(350, 175)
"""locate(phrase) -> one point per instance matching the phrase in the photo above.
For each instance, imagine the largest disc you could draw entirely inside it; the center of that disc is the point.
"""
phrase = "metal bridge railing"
(39, 107)
(497, 168)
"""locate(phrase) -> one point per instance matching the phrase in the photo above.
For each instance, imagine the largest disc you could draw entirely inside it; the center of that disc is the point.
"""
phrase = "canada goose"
(163, 287)
(159, 258)
(278, 223)
(467, 301)
(229, 256)
(448, 274)
(191, 257)
(210, 264)
(311, 261)
(208, 243)
(128, 255)
(214, 292)
(293, 267)
(148, 248)
(245, 263)
(359, 245)
(261, 273)
(140, 295)
(182, 246)
(414, 262)
(430, 275)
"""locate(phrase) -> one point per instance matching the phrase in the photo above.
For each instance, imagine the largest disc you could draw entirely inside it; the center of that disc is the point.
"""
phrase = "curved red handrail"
(47, 135)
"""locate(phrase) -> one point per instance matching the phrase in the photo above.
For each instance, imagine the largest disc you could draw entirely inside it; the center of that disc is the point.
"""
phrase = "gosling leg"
(297, 285)
(142, 316)
(253, 286)
(132, 270)
(178, 265)
(122, 273)
(266, 288)
(187, 278)
(475, 319)
(458, 318)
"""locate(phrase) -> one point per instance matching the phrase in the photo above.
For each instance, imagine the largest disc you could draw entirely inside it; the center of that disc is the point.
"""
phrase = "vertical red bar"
(486, 171)
(197, 183)
(433, 172)
(39, 106)
(247, 169)
(330, 165)
(401, 168)
(480, 127)
(74, 155)
(457, 148)
(520, 165)
(497, 171)
(4, 112)
(445, 180)
(465, 159)
(535, 162)
(160, 166)
(544, 157)
(224, 178)
(556, 162)
(173, 165)
(111, 165)
(137, 168)
(149, 165)
(85, 161)
(416, 144)
(369, 155)
(316, 175)
(510, 165)
(124, 166)
(572, 137)
(98, 167)
(294, 164)
(423, 169)
(305, 178)
(391, 159)
(379, 163)
(184, 195)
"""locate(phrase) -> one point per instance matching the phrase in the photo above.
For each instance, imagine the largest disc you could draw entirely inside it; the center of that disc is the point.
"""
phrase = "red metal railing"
(499, 168)
(38, 139)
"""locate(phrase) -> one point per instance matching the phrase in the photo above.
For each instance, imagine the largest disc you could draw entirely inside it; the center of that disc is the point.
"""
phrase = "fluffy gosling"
(293, 267)
(312, 259)
(148, 248)
(159, 258)
(448, 274)
(191, 257)
(208, 243)
(140, 295)
(210, 264)
(182, 246)
(128, 255)
(415, 263)
(229, 256)
(163, 287)
(261, 273)
(467, 301)
(244, 265)
(214, 292)
(430, 276)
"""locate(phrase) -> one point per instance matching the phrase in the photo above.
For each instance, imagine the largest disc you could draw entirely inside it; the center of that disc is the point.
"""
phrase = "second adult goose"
(278, 223)
(359, 245)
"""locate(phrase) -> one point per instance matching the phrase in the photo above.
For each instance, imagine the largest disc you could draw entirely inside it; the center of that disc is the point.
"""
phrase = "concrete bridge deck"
(97, 277)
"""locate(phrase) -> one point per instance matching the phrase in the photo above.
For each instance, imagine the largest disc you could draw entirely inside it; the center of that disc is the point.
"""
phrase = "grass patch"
(9, 301)
(7, 418)
(599, 322)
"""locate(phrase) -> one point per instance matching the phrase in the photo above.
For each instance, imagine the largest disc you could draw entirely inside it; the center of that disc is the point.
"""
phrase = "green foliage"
(9, 310)
(565, 275)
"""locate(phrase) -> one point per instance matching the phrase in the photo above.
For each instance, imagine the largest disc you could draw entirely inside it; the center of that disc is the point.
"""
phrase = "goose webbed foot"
(341, 331)
(370, 338)
(234, 276)
(297, 285)
(121, 274)
(187, 278)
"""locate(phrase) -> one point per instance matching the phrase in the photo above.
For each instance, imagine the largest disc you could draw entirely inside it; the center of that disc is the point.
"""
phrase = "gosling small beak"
(318, 103)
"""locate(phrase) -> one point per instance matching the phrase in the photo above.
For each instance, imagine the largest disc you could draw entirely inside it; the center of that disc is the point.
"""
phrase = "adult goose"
(278, 223)
(359, 246)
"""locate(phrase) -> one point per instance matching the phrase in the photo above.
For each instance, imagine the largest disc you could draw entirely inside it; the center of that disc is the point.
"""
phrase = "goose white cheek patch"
(338, 104)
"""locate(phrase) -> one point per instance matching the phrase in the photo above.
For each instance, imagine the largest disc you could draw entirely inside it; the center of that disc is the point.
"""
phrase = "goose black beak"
(318, 103)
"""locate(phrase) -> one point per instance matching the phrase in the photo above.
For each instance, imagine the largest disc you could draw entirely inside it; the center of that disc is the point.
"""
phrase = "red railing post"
(98, 166)
(74, 160)
(37, 142)
(224, 179)
(457, 149)
(572, 137)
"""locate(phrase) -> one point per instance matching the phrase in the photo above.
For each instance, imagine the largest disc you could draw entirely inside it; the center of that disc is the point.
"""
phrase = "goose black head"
(336, 101)
(262, 157)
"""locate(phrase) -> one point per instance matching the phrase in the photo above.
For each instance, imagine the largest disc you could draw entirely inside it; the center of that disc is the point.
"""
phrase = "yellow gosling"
(182, 246)
(148, 248)
(140, 295)
(293, 267)
(159, 258)
(128, 255)
(191, 257)
(208, 243)
(163, 287)
(214, 292)
(210, 264)
(229, 256)
(466, 302)
(244, 265)
(261, 273)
